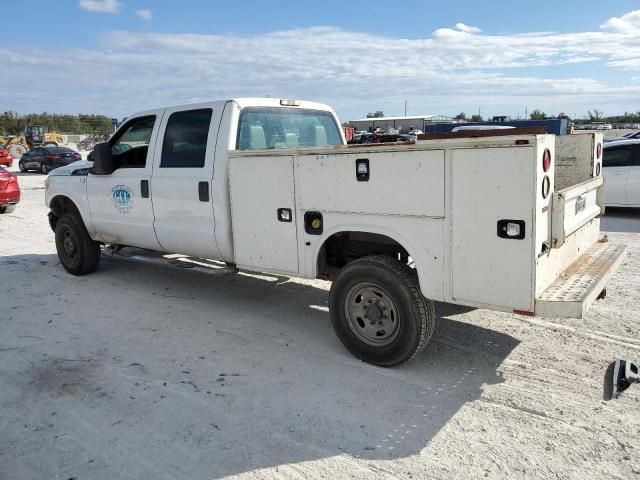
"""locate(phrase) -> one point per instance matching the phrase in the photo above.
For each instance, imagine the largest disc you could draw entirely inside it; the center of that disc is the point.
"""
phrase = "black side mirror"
(102, 159)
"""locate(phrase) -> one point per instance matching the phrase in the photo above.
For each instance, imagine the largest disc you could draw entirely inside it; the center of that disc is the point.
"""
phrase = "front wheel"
(378, 311)
(78, 253)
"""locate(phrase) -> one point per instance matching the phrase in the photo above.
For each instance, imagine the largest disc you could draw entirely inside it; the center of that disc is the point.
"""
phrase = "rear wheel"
(378, 311)
(44, 168)
(78, 253)
(7, 209)
(21, 166)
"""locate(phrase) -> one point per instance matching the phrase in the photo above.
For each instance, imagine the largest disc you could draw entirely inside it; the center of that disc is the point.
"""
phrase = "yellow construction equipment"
(33, 136)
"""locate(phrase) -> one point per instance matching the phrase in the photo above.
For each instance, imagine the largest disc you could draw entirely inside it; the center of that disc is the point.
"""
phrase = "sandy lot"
(148, 372)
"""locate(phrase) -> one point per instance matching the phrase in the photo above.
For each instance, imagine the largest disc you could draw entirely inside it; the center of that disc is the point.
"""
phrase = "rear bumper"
(581, 283)
(8, 199)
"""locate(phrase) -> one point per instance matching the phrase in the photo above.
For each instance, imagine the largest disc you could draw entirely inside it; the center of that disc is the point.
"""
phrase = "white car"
(621, 165)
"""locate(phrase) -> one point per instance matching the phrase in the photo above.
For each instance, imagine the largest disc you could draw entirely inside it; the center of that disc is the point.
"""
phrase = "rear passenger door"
(181, 182)
(615, 162)
(633, 179)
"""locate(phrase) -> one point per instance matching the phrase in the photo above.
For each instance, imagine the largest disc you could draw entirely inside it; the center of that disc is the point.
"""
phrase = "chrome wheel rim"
(372, 314)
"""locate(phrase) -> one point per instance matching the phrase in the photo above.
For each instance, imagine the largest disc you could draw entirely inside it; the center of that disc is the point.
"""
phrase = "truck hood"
(81, 167)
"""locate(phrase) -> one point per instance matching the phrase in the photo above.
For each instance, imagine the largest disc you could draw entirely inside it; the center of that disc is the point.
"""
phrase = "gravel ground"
(141, 371)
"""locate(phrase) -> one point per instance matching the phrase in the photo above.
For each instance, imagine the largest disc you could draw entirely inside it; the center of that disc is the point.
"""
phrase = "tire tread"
(408, 278)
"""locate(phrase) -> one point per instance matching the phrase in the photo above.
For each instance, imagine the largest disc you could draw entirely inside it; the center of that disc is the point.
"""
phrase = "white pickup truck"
(507, 222)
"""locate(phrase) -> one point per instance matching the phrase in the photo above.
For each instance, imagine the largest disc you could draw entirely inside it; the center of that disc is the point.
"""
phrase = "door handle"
(203, 191)
(144, 188)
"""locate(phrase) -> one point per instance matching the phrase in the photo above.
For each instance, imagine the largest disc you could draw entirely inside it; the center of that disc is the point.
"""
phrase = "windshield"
(272, 127)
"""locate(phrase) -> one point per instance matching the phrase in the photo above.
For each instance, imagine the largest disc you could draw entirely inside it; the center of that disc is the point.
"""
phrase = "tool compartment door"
(489, 185)
(263, 240)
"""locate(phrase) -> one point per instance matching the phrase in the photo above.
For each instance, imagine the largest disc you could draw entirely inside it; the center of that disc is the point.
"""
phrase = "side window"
(617, 156)
(129, 148)
(635, 159)
(185, 139)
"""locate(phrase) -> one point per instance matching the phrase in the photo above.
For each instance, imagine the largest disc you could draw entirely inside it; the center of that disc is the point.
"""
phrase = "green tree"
(376, 114)
(538, 115)
(596, 115)
(477, 118)
(461, 116)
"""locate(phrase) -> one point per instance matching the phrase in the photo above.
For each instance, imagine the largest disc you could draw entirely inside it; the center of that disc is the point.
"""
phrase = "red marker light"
(546, 160)
(599, 151)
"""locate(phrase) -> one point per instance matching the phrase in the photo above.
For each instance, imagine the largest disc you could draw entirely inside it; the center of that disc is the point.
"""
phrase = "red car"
(9, 190)
(5, 157)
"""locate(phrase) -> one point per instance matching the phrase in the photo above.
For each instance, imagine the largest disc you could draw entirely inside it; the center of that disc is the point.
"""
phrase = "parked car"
(6, 158)
(380, 138)
(47, 158)
(621, 166)
(465, 128)
(626, 136)
(9, 190)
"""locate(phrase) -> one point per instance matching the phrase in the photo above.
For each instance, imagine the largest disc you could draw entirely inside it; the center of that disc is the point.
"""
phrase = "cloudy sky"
(119, 56)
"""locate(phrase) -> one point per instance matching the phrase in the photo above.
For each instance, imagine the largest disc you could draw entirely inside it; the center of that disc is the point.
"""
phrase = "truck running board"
(581, 283)
(210, 267)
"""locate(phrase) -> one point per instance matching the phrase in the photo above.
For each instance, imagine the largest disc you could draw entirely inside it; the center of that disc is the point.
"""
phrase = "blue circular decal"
(121, 196)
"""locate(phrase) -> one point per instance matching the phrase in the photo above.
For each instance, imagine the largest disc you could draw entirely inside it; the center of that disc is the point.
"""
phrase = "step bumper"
(581, 283)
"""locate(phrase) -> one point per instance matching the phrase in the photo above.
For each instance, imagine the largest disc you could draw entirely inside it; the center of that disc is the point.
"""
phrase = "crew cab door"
(181, 184)
(120, 203)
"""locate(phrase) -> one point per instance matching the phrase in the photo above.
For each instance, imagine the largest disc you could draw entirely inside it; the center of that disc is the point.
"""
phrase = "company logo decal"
(122, 198)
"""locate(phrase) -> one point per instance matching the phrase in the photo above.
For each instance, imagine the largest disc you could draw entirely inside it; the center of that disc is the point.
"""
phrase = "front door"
(120, 203)
(633, 180)
(182, 180)
(615, 164)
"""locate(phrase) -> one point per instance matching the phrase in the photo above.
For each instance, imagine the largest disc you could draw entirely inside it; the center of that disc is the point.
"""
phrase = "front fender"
(75, 189)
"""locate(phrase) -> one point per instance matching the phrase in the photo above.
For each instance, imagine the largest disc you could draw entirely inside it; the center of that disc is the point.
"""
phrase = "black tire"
(3, 210)
(78, 253)
(21, 166)
(44, 168)
(406, 332)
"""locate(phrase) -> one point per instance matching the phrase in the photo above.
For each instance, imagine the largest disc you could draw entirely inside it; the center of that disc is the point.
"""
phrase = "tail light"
(6, 179)
(77, 156)
(54, 157)
(599, 151)
(546, 160)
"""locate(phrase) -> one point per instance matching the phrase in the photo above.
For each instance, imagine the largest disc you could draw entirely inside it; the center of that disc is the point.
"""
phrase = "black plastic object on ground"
(618, 377)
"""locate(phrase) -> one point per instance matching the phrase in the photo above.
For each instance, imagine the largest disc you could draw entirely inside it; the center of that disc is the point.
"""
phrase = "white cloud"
(628, 23)
(145, 14)
(102, 6)
(452, 69)
(467, 29)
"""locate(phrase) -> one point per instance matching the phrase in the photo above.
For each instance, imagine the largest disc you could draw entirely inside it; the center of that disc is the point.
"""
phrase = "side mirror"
(102, 159)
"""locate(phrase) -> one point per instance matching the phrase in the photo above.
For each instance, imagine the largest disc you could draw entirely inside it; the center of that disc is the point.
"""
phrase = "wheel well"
(345, 247)
(60, 206)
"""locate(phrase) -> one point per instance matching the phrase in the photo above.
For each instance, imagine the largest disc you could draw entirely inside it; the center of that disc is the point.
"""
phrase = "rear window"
(59, 150)
(264, 128)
